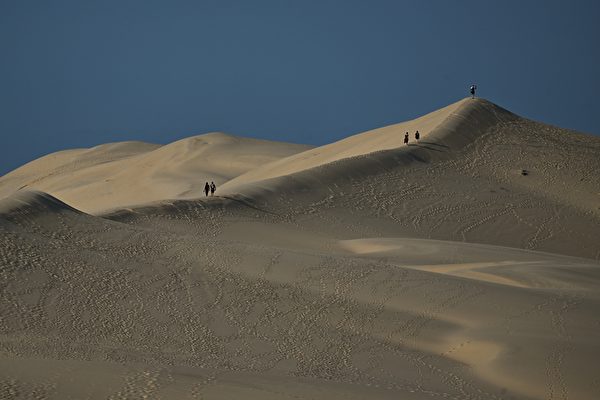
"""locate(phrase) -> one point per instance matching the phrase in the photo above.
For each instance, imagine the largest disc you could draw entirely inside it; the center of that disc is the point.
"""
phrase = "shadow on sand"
(434, 144)
(420, 145)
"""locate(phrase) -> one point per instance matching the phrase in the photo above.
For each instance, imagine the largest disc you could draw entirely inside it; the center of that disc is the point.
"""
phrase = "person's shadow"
(421, 145)
(435, 144)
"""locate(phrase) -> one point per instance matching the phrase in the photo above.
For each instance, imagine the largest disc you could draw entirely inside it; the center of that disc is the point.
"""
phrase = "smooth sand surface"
(363, 269)
(123, 174)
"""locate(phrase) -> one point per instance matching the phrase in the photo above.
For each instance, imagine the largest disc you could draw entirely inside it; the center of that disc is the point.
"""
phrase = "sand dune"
(131, 173)
(360, 269)
(483, 175)
(453, 126)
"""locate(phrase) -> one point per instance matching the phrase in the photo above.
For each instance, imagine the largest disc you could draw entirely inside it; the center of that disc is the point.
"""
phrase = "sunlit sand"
(364, 268)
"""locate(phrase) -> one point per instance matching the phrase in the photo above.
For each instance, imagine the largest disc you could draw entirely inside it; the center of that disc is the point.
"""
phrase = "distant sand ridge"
(130, 173)
(464, 266)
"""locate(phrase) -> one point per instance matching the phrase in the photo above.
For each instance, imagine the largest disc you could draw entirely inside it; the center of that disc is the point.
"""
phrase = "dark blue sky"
(80, 73)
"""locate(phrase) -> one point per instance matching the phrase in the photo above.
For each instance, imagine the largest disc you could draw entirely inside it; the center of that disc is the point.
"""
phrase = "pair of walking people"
(212, 187)
(417, 136)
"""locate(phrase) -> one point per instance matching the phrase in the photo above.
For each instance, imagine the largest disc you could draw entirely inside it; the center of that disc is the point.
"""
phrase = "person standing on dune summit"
(406, 138)
(213, 187)
(206, 188)
(473, 89)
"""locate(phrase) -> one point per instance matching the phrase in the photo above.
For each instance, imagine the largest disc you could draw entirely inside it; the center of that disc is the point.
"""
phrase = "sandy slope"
(386, 138)
(464, 181)
(217, 299)
(129, 173)
(369, 270)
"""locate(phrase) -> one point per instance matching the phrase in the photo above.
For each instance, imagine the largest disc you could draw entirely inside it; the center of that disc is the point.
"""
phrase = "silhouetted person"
(417, 136)
(206, 188)
(473, 89)
(213, 187)
(406, 138)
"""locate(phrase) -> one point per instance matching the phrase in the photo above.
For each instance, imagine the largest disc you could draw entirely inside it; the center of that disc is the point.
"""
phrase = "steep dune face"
(386, 138)
(130, 173)
(448, 129)
(481, 175)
